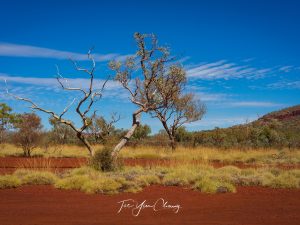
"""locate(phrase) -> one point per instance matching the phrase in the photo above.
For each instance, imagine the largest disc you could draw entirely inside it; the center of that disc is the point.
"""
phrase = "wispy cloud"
(16, 50)
(51, 83)
(226, 70)
(254, 104)
(211, 97)
(47, 90)
(286, 69)
(34, 87)
(221, 122)
(285, 85)
(227, 100)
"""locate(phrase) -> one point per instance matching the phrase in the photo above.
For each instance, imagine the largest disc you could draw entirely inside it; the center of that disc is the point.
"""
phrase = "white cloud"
(286, 69)
(224, 70)
(254, 104)
(42, 86)
(226, 100)
(53, 83)
(221, 122)
(211, 97)
(16, 50)
(285, 85)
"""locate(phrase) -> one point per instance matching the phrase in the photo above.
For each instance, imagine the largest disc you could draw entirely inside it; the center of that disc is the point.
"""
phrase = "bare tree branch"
(90, 97)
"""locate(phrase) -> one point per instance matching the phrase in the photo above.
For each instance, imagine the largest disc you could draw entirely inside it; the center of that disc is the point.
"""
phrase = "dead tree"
(144, 76)
(83, 105)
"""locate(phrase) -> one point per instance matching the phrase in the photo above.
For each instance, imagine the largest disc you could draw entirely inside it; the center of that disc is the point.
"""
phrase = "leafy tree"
(29, 130)
(182, 135)
(7, 119)
(155, 84)
(61, 133)
(142, 132)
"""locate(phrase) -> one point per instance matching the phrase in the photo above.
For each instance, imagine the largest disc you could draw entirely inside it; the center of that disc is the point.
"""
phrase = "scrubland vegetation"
(200, 154)
(271, 140)
(203, 178)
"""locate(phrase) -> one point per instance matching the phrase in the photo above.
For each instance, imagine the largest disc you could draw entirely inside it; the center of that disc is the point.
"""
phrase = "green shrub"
(74, 182)
(36, 177)
(172, 179)
(128, 185)
(230, 170)
(85, 170)
(248, 172)
(295, 173)
(183, 176)
(103, 185)
(9, 181)
(146, 180)
(103, 160)
(208, 185)
(284, 180)
(133, 189)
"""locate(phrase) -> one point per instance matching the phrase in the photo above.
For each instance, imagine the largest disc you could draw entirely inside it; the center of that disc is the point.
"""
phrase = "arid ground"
(45, 204)
(32, 205)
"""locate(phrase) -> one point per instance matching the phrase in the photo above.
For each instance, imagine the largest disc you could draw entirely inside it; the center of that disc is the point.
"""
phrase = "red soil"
(37, 205)
(216, 164)
(10, 164)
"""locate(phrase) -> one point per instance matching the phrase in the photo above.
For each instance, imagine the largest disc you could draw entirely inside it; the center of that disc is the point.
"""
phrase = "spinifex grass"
(203, 178)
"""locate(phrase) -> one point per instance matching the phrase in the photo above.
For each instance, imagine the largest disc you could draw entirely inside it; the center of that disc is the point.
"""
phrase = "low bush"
(208, 185)
(103, 185)
(9, 181)
(36, 177)
(284, 180)
(103, 160)
(132, 179)
(146, 180)
(74, 182)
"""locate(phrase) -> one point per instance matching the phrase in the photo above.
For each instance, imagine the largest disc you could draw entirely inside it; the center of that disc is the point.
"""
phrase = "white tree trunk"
(136, 116)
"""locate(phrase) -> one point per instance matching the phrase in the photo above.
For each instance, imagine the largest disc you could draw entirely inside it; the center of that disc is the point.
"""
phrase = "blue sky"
(242, 57)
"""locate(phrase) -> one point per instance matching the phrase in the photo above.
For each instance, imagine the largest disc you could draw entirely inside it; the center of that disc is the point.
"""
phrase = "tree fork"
(136, 117)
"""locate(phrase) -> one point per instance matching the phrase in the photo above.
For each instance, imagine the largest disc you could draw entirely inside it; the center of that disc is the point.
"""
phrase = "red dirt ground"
(42, 205)
(10, 164)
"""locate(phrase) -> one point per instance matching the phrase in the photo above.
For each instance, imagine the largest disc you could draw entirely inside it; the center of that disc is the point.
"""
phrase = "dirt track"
(37, 205)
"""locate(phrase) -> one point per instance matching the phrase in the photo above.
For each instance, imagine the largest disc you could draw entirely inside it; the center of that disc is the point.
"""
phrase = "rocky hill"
(276, 129)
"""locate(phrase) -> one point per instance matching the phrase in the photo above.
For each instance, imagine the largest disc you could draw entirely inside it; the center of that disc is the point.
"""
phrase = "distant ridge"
(290, 113)
(276, 129)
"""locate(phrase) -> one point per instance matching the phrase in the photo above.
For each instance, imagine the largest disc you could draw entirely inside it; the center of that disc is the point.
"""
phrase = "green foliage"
(35, 177)
(9, 181)
(103, 160)
(232, 170)
(182, 135)
(104, 185)
(142, 132)
(132, 179)
(61, 133)
(283, 180)
(7, 119)
(146, 180)
(74, 182)
(28, 132)
(102, 130)
(207, 185)
(279, 129)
